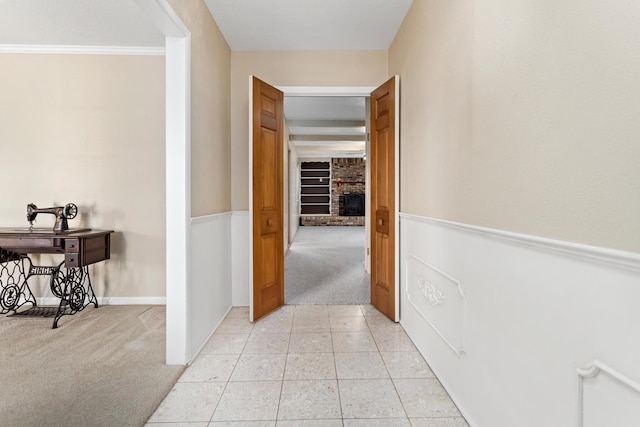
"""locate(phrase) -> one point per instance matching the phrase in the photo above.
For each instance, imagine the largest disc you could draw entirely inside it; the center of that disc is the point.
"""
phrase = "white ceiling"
(246, 25)
(309, 24)
(314, 25)
(326, 126)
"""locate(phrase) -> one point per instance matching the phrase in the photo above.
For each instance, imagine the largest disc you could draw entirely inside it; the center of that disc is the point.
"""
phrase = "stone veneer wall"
(352, 173)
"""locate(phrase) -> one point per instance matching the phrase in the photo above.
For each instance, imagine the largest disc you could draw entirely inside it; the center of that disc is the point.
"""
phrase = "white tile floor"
(308, 365)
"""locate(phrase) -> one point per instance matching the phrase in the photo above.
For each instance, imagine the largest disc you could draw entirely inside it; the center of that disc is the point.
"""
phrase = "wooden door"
(267, 198)
(384, 198)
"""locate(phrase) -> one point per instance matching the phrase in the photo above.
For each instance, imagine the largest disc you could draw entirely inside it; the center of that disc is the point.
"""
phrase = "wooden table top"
(73, 233)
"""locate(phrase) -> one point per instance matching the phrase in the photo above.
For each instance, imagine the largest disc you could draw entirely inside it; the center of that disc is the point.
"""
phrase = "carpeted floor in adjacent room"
(325, 265)
(101, 367)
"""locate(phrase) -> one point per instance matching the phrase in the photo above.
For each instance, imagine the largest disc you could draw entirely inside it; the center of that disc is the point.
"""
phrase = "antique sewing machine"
(61, 213)
(69, 279)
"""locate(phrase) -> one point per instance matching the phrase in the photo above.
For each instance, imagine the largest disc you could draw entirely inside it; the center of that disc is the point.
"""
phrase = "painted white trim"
(615, 258)
(396, 217)
(326, 91)
(83, 50)
(178, 197)
(593, 371)
(212, 217)
(132, 301)
(367, 187)
(251, 198)
(178, 173)
(240, 213)
(111, 301)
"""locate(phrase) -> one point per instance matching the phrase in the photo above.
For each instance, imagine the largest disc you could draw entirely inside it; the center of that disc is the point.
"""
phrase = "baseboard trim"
(112, 301)
(614, 258)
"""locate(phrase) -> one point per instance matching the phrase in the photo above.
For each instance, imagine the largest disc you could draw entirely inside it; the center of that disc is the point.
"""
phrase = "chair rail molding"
(592, 371)
(609, 257)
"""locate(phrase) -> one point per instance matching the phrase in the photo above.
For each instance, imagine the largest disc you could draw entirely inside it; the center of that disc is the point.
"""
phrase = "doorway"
(387, 105)
(326, 259)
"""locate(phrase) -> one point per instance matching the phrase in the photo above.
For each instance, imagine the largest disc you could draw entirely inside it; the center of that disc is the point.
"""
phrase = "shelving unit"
(315, 188)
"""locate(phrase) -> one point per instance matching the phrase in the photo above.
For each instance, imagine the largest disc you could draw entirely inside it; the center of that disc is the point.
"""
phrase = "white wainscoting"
(512, 325)
(209, 293)
(439, 299)
(240, 257)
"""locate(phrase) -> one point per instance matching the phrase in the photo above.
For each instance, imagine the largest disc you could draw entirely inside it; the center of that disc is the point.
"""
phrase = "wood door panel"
(268, 289)
(382, 168)
(268, 107)
(267, 195)
(267, 247)
(267, 166)
(383, 199)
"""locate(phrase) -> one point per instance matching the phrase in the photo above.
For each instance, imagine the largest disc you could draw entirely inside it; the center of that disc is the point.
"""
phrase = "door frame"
(177, 175)
(365, 91)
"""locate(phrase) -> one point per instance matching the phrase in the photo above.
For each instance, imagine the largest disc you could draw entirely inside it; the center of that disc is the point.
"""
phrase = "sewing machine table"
(80, 247)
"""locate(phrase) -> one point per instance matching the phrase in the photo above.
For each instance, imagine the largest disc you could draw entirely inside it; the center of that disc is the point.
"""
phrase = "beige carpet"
(101, 367)
(325, 265)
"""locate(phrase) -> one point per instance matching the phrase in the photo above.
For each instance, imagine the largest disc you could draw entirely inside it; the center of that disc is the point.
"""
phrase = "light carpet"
(325, 265)
(101, 367)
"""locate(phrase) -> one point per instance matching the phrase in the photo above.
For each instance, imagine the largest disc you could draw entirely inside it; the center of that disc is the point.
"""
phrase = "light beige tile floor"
(308, 366)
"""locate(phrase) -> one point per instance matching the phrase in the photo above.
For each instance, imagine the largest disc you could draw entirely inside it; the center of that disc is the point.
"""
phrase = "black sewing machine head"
(62, 215)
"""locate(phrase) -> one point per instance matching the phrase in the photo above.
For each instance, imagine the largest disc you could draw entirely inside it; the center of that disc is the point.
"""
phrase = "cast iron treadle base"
(37, 312)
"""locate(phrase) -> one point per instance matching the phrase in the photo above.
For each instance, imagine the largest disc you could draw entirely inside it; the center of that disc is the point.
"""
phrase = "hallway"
(325, 265)
(308, 365)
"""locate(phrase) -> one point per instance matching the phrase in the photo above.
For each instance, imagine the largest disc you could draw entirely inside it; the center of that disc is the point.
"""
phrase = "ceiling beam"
(327, 137)
(326, 123)
(328, 148)
(328, 143)
(330, 154)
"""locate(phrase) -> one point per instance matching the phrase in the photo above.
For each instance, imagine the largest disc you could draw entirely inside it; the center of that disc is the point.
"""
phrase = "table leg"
(14, 288)
(77, 294)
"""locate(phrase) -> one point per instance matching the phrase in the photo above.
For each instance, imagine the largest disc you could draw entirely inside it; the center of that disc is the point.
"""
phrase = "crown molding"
(83, 50)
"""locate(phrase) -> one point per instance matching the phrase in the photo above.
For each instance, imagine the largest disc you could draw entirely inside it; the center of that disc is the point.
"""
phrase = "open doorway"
(267, 196)
(326, 260)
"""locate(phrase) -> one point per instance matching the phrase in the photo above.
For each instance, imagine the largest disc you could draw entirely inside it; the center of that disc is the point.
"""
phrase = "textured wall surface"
(522, 116)
(321, 68)
(90, 129)
(210, 110)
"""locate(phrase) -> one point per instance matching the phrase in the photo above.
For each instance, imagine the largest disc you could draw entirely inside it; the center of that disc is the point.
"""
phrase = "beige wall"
(522, 115)
(89, 129)
(289, 68)
(210, 110)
